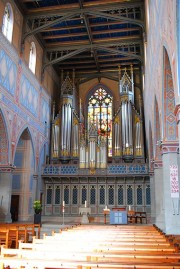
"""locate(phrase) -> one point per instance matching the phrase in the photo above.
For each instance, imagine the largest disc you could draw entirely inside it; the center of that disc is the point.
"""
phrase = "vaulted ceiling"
(93, 37)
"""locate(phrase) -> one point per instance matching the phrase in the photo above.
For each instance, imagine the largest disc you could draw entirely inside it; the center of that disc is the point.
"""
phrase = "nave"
(95, 246)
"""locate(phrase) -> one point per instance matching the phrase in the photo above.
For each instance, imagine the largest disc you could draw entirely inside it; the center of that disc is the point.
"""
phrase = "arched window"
(8, 21)
(100, 113)
(32, 57)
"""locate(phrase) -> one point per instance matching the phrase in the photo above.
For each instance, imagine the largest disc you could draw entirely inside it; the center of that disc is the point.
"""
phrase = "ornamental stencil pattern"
(3, 142)
(45, 111)
(28, 95)
(169, 102)
(8, 72)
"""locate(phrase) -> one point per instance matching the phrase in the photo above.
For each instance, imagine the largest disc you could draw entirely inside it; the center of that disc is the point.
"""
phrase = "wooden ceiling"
(93, 37)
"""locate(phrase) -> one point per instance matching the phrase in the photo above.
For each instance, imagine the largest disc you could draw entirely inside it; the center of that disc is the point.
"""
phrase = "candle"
(129, 207)
(85, 203)
(63, 203)
(106, 207)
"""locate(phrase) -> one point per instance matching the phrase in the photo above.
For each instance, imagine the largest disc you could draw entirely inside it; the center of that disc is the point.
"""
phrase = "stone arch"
(169, 119)
(24, 180)
(4, 141)
(28, 133)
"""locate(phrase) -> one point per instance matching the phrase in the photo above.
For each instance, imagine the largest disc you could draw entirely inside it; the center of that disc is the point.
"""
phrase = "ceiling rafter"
(88, 29)
(71, 54)
(84, 13)
(117, 18)
(46, 25)
(92, 37)
(64, 57)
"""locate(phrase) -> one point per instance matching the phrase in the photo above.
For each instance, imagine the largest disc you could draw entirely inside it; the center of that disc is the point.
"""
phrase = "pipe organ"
(100, 134)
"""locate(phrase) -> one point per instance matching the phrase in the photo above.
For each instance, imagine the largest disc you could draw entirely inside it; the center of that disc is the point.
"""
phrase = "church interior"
(89, 112)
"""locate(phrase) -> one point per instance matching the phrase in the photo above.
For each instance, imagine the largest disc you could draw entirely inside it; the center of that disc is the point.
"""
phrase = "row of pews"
(95, 246)
(10, 234)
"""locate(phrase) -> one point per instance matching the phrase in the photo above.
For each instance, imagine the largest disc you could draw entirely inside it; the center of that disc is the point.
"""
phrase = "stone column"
(153, 206)
(158, 190)
(177, 114)
(170, 157)
(35, 187)
(5, 192)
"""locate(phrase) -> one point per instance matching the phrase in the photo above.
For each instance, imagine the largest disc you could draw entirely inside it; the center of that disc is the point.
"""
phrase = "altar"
(84, 212)
(118, 216)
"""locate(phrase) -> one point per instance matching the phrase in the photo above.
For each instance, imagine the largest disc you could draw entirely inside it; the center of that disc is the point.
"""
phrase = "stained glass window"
(100, 114)
(49, 195)
(120, 195)
(66, 194)
(111, 195)
(93, 195)
(57, 195)
(84, 194)
(75, 195)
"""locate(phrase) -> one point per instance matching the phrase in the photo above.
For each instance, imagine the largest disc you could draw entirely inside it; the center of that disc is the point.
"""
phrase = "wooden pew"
(14, 232)
(108, 251)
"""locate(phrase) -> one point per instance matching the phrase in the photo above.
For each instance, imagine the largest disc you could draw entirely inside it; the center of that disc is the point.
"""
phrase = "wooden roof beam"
(104, 42)
(92, 33)
(110, 44)
(98, 5)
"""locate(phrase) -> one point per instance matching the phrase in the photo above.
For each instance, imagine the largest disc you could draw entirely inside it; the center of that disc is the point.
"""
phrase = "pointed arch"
(28, 133)
(23, 180)
(4, 141)
(169, 119)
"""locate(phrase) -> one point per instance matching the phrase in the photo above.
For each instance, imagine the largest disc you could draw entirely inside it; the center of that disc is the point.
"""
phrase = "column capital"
(35, 176)
(170, 147)
(158, 164)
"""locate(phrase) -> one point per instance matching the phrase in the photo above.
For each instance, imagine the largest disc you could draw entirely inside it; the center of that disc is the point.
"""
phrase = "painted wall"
(25, 98)
(161, 33)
